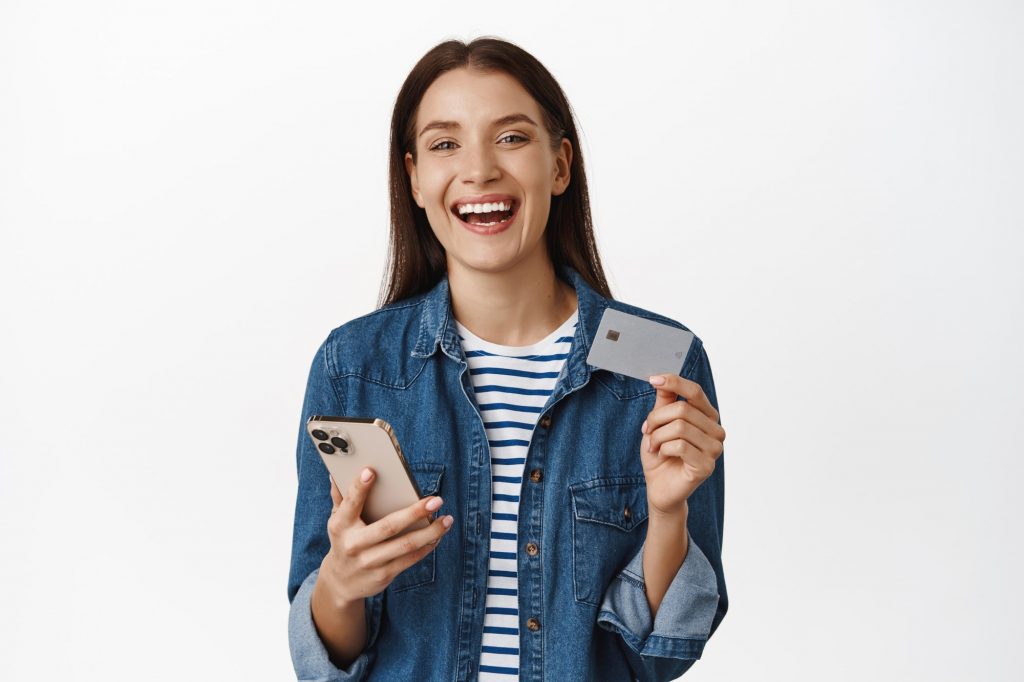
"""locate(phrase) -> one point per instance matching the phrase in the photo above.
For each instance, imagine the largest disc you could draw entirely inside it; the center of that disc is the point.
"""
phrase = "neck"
(515, 307)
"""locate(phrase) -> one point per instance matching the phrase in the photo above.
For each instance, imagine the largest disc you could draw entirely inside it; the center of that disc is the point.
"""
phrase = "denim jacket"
(583, 611)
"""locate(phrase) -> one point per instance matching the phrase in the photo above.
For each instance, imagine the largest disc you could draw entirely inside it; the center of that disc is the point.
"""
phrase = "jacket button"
(533, 624)
(626, 513)
(536, 475)
(545, 421)
(531, 549)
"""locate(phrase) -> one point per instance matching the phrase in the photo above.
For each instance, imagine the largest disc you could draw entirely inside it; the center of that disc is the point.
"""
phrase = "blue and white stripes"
(512, 384)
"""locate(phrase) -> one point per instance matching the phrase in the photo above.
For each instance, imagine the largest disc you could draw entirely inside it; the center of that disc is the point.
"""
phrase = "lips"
(478, 227)
(489, 229)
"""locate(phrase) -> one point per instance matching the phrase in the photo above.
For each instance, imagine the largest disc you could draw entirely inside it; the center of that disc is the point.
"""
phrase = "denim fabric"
(403, 363)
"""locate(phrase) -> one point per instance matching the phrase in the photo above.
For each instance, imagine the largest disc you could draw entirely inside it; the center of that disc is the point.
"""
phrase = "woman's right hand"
(365, 558)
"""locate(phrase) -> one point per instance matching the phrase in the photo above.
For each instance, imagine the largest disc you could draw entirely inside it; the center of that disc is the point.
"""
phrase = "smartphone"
(347, 445)
(638, 347)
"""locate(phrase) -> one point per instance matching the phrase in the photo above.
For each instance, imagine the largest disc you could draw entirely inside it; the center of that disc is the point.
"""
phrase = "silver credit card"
(638, 347)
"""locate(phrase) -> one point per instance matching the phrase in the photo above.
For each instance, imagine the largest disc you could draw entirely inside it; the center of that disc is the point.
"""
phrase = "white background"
(192, 194)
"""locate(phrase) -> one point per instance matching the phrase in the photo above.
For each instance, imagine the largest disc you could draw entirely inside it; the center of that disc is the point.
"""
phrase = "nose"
(480, 164)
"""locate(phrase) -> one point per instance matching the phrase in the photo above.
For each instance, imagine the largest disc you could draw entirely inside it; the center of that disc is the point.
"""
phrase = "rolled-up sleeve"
(309, 655)
(685, 616)
(666, 646)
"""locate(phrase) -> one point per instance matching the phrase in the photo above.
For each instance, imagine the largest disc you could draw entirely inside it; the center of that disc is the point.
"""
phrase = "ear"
(563, 160)
(410, 168)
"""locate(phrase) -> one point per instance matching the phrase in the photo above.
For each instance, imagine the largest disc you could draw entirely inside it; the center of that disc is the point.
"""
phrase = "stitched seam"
(626, 577)
(601, 378)
(380, 382)
(330, 378)
(609, 524)
(695, 352)
(677, 639)
(630, 576)
(420, 336)
(576, 561)
(605, 482)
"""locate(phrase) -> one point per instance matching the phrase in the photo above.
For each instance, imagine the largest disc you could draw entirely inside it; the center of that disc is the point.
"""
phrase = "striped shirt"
(512, 385)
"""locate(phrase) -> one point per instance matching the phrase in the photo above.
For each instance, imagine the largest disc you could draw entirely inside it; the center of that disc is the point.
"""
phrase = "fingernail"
(657, 380)
(366, 475)
(434, 504)
(447, 521)
(643, 427)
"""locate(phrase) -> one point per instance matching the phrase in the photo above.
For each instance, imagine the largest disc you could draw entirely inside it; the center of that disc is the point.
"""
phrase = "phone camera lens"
(326, 447)
(340, 443)
(319, 435)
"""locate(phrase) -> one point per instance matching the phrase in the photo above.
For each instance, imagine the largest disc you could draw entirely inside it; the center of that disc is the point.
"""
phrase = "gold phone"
(347, 445)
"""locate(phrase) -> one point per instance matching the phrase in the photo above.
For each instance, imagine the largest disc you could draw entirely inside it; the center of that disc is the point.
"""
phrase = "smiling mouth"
(488, 218)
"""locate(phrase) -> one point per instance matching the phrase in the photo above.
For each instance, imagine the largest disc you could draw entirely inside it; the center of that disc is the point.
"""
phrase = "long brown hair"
(416, 259)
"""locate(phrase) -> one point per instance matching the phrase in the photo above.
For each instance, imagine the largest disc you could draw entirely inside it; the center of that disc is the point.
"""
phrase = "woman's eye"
(442, 142)
(519, 138)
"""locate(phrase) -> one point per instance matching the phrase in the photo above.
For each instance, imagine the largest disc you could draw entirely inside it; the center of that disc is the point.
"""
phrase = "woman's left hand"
(684, 438)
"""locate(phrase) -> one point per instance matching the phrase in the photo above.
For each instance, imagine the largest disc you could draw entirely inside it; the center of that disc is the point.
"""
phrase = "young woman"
(576, 514)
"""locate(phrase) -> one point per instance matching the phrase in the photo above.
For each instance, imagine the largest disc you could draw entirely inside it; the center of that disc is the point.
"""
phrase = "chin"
(489, 265)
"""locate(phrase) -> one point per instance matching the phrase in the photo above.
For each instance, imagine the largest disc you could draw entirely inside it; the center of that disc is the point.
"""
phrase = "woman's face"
(484, 156)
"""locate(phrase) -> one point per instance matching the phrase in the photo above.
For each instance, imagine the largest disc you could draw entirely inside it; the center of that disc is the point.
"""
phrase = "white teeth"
(484, 208)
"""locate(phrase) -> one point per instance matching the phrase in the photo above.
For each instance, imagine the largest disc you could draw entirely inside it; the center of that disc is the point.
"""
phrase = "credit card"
(638, 347)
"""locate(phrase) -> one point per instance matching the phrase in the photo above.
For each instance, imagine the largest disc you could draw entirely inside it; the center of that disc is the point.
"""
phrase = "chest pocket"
(607, 530)
(428, 477)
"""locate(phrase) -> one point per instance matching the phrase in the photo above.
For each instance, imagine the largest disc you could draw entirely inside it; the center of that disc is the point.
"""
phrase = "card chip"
(612, 335)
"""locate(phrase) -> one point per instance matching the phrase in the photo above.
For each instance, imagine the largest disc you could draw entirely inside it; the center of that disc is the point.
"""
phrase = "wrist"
(331, 588)
(668, 517)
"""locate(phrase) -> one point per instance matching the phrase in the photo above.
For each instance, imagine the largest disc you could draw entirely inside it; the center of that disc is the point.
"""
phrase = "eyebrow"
(504, 120)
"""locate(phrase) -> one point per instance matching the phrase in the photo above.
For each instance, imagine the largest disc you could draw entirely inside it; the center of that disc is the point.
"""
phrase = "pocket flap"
(620, 502)
(427, 476)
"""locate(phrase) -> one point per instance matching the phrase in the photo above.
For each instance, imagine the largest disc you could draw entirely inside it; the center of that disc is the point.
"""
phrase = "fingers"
(682, 430)
(407, 549)
(665, 414)
(395, 522)
(680, 437)
(673, 385)
(351, 506)
(386, 573)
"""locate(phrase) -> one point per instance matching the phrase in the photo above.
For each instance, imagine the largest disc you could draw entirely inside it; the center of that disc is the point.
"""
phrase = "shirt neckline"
(477, 343)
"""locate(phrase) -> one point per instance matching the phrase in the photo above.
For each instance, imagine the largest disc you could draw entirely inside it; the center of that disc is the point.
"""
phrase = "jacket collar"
(437, 327)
